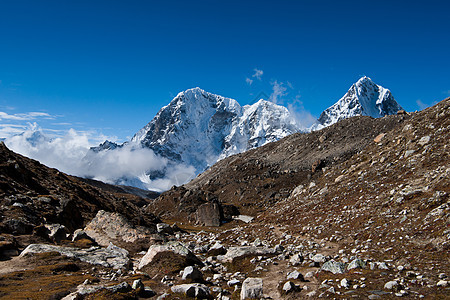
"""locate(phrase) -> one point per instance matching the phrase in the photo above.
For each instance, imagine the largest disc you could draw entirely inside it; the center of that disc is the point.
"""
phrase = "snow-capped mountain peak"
(197, 128)
(364, 98)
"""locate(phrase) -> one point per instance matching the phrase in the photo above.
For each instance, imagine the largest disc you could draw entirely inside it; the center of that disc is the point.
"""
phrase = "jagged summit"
(197, 128)
(364, 98)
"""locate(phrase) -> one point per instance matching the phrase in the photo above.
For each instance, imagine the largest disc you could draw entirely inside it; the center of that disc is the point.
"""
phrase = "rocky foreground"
(357, 210)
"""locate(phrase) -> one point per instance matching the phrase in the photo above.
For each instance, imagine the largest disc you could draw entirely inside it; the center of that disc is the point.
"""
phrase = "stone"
(137, 284)
(333, 267)
(109, 227)
(172, 247)
(289, 287)
(164, 228)
(391, 285)
(442, 283)
(295, 275)
(257, 242)
(208, 214)
(339, 178)
(238, 252)
(192, 273)
(147, 292)
(356, 263)
(309, 274)
(383, 266)
(217, 249)
(311, 294)
(424, 140)
(319, 258)
(194, 290)
(296, 259)
(80, 234)
(123, 287)
(379, 137)
(344, 283)
(409, 152)
(56, 232)
(233, 282)
(252, 288)
(110, 257)
(243, 218)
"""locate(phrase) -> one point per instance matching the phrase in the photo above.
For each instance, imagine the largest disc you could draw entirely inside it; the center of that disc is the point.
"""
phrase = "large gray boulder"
(208, 214)
(109, 227)
(110, 257)
(238, 252)
(252, 288)
(356, 263)
(171, 247)
(333, 267)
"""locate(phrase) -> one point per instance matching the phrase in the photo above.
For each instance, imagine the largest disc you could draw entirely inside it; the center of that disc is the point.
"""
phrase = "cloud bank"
(70, 153)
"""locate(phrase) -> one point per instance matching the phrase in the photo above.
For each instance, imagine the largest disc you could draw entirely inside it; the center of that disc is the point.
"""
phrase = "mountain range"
(198, 128)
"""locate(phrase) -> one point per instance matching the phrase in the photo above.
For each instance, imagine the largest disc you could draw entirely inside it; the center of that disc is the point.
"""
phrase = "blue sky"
(107, 67)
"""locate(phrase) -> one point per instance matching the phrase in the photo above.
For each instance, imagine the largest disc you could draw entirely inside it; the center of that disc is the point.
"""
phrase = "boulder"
(391, 285)
(217, 249)
(80, 234)
(289, 287)
(243, 218)
(356, 263)
(333, 267)
(252, 288)
(110, 257)
(238, 252)
(345, 283)
(192, 273)
(296, 259)
(123, 287)
(208, 214)
(109, 227)
(295, 275)
(174, 248)
(319, 258)
(164, 228)
(56, 232)
(194, 290)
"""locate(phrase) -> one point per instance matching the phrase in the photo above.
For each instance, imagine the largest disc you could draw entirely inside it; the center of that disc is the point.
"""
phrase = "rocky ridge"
(361, 211)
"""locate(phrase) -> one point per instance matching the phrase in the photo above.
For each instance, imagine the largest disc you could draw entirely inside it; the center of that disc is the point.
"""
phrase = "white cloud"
(70, 153)
(281, 95)
(258, 74)
(301, 115)
(24, 116)
(249, 81)
(278, 91)
(422, 105)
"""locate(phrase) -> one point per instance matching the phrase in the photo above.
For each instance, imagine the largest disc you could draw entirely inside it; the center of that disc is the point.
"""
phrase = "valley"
(358, 209)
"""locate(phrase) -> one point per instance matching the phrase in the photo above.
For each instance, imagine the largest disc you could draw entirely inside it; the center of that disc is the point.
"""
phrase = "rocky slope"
(359, 209)
(364, 98)
(33, 195)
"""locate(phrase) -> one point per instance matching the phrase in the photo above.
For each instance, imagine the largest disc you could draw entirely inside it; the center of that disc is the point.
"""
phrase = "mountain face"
(197, 128)
(364, 98)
